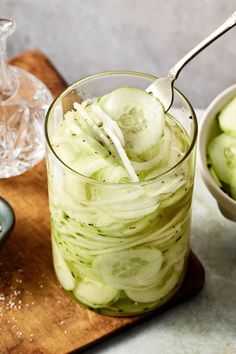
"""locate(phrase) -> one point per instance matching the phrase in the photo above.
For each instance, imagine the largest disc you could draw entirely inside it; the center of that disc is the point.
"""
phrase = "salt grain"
(18, 334)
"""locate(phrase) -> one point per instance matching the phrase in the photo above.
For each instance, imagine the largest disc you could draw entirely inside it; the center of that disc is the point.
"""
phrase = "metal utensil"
(162, 88)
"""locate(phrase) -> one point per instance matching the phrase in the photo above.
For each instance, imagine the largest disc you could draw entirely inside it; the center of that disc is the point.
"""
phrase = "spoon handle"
(226, 26)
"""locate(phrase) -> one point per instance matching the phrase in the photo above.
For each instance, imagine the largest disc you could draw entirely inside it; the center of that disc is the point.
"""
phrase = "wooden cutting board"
(35, 314)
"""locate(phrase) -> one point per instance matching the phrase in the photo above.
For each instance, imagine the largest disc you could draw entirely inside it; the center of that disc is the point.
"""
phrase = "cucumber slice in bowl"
(139, 115)
(129, 268)
(222, 153)
(215, 177)
(233, 185)
(227, 118)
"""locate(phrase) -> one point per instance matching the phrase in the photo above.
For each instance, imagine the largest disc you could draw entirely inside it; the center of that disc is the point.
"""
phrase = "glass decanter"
(23, 103)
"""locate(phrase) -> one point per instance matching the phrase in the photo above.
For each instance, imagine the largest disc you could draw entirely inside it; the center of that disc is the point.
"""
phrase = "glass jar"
(120, 248)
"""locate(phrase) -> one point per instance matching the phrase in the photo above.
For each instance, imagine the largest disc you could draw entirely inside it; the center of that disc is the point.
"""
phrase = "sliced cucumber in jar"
(94, 294)
(139, 115)
(129, 268)
(158, 292)
(61, 268)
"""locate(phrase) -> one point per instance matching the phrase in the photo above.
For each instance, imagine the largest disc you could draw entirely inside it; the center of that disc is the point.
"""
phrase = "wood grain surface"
(36, 316)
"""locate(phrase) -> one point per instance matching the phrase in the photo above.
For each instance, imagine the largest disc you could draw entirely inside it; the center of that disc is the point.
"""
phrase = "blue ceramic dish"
(7, 220)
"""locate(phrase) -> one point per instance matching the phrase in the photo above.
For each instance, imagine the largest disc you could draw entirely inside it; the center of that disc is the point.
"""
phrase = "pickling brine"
(120, 174)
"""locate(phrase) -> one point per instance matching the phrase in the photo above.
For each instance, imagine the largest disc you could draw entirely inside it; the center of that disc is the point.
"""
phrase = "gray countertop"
(207, 323)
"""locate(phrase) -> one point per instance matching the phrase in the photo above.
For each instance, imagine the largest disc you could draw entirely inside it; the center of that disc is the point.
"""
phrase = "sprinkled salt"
(18, 334)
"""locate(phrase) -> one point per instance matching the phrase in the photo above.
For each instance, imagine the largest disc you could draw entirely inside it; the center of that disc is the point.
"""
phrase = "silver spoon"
(162, 88)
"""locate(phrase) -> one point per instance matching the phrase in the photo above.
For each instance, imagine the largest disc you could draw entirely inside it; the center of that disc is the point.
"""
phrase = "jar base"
(122, 307)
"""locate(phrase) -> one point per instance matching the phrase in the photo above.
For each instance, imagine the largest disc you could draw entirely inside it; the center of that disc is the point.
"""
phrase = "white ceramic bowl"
(208, 130)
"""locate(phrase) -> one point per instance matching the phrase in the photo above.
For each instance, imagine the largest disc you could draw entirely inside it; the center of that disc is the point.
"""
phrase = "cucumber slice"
(222, 152)
(215, 177)
(129, 268)
(233, 185)
(86, 166)
(161, 152)
(112, 174)
(61, 268)
(227, 118)
(139, 115)
(158, 291)
(66, 152)
(94, 294)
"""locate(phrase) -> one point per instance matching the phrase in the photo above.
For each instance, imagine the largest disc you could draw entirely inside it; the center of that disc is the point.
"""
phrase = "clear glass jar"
(114, 252)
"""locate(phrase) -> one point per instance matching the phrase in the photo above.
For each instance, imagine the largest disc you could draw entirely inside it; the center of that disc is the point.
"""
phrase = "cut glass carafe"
(24, 100)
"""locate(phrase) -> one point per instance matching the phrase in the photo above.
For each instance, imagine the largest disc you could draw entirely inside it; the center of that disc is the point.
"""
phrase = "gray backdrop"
(86, 36)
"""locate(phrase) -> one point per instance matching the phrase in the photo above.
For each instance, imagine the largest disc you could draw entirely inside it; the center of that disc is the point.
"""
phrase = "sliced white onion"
(84, 115)
(87, 166)
(123, 156)
(112, 139)
(71, 123)
(86, 102)
(106, 119)
(107, 139)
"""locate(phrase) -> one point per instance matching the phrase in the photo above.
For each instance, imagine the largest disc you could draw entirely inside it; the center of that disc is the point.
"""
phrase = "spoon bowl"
(163, 89)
